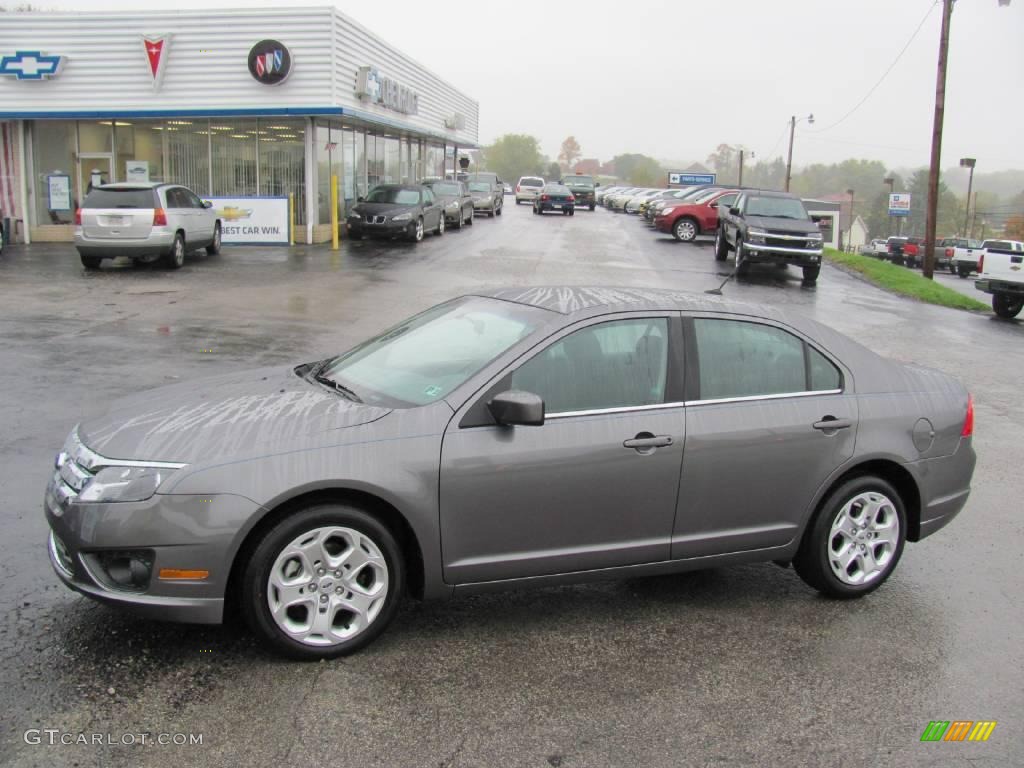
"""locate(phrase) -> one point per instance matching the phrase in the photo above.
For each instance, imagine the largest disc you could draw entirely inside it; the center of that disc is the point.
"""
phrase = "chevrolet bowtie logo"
(31, 65)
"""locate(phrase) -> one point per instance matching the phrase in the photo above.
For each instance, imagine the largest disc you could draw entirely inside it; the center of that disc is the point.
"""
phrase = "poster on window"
(58, 192)
(252, 220)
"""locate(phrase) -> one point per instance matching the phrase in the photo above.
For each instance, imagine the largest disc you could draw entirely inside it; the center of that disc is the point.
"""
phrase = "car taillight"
(544, 197)
(949, 253)
(981, 263)
(159, 217)
(572, 199)
(78, 217)
(968, 429)
(518, 188)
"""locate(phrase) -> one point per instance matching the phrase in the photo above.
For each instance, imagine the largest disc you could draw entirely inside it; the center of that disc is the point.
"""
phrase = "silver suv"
(145, 222)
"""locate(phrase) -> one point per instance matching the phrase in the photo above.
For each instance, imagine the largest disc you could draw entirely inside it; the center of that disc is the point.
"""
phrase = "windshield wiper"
(329, 382)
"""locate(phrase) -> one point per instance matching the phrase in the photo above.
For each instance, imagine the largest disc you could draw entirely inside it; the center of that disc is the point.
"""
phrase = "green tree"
(514, 155)
(639, 170)
(570, 153)
(769, 174)
(554, 171)
(726, 162)
(950, 208)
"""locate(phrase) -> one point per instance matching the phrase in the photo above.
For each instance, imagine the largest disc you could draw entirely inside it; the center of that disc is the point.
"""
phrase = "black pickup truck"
(769, 227)
(583, 189)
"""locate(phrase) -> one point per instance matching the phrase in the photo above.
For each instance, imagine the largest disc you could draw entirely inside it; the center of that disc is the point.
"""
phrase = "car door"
(771, 418)
(203, 218)
(732, 220)
(711, 211)
(595, 486)
(431, 212)
(179, 210)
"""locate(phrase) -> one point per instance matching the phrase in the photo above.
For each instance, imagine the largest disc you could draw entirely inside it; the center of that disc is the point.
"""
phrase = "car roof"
(770, 193)
(136, 185)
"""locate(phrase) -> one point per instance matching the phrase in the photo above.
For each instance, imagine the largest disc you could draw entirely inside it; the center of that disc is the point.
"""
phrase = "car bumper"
(157, 243)
(387, 229)
(182, 532)
(663, 224)
(555, 206)
(483, 206)
(945, 485)
(804, 257)
(988, 285)
(525, 197)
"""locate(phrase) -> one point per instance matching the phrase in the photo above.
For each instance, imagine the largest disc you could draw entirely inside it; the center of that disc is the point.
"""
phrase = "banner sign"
(899, 205)
(683, 179)
(137, 171)
(252, 220)
(58, 192)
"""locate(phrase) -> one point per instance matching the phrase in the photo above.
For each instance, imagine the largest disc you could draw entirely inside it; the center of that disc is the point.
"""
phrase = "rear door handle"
(831, 423)
(650, 441)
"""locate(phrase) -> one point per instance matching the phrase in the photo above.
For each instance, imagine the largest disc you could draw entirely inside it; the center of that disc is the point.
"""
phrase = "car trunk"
(119, 213)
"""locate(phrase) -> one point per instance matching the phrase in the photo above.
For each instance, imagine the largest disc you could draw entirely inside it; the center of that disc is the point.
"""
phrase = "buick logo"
(270, 62)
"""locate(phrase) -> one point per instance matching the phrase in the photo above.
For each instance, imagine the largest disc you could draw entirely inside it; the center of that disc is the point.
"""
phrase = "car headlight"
(453, 206)
(666, 211)
(756, 235)
(402, 217)
(124, 484)
(814, 236)
(354, 216)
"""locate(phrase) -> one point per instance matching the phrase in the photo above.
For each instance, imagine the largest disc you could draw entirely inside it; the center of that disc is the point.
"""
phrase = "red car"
(913, 252)
(687, 219)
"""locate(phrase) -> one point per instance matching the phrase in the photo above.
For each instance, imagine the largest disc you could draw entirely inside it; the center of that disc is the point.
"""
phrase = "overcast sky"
(675, 79)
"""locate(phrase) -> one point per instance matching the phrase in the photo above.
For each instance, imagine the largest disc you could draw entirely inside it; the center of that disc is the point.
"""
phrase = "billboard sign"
(899, 205)
(252, 220)
(684, 179)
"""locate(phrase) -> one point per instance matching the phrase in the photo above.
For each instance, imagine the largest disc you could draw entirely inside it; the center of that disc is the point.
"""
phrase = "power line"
(884, 74)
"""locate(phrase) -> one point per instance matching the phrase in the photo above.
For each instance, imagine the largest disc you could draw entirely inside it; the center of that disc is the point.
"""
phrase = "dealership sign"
(156, 47)
(270, 62)
(31, 65)
(681, 178)
(899, 205)
(252, 220)
(371, 86)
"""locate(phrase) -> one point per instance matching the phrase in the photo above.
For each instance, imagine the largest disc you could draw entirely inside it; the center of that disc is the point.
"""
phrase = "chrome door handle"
(830, 423)
(652, 441)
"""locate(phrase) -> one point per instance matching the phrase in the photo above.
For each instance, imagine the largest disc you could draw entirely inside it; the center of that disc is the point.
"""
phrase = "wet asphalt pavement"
(739, 667)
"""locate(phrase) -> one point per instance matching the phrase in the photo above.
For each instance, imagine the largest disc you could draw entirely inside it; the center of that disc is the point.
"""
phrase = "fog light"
(125, 569)
(180, 574)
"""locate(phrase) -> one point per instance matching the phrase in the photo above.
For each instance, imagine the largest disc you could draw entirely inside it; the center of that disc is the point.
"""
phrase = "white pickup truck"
(962, 254)
(1001, 273)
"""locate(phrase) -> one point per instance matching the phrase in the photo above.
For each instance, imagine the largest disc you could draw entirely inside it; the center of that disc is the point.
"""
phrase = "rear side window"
(742, 359)
(119, 198)
(531, 183)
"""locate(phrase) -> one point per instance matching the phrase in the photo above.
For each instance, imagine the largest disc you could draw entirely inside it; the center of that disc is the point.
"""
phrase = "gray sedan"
(529, 436)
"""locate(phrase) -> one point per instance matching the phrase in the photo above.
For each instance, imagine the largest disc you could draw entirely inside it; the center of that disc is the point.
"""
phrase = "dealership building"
(238, 105)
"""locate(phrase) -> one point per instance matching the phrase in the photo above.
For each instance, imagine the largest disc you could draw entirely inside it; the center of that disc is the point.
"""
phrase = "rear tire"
(721, 246)
(963, 271)
(378, 553)
(811, 274)
(572, 211)
(91, 262)
(176, 258)
(1005, 306)
(592, 206)
(498, 211)
(469, 219)
(859, 507)
(214, 248)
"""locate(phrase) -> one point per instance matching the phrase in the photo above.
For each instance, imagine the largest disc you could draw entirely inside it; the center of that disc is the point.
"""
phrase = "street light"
(849, 233)
(792, 129)
(968, 162)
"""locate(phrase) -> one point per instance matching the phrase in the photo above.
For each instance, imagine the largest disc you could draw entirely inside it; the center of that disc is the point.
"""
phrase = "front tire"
(91, 262)
(742, 265)
(214, 248)
(685, 230)
(469, 219)
(721, 246)
(440, 226)
(176, 258)
(1005, 306)
(811, 273)
(323, 582)
(855, 540)
(416, 235)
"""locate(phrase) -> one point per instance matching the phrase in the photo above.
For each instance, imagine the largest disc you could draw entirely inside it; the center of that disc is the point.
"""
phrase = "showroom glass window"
(616, 364)
(188, 154)
(139, 143)
(282, 153)
(53, 153)
(233, 157)
(744, 359)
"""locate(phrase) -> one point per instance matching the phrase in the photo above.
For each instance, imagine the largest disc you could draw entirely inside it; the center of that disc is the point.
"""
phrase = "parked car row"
(957, 254)
(582, 189)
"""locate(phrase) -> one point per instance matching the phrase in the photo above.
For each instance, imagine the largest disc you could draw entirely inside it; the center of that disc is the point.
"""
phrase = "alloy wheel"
(864, 538)
(685, 230)
(327, 586)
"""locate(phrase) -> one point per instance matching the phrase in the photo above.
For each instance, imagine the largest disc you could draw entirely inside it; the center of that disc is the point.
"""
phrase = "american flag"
(8, 171)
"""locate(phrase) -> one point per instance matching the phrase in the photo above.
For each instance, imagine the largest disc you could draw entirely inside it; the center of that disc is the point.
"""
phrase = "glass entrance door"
(93, 170)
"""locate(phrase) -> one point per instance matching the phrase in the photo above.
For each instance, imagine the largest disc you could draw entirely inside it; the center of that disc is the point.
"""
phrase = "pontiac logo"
(270, 62)
(156, 55)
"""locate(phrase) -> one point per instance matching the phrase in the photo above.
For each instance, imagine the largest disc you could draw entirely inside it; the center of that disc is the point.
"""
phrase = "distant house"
(860, 231)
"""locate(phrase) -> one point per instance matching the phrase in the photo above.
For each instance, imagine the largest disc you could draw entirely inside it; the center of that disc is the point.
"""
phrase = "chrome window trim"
(617, 409)
(752, 398)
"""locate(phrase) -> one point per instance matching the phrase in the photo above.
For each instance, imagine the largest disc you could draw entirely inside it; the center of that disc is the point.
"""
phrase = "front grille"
(376, 219)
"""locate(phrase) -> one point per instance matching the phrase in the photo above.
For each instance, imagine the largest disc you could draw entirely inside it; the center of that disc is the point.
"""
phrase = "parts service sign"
(252, 220)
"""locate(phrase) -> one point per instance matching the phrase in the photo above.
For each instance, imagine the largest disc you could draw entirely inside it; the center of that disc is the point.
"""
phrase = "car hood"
(446, 200)
(481, 195)
(376, 209)
(222, 416)
(799, 226)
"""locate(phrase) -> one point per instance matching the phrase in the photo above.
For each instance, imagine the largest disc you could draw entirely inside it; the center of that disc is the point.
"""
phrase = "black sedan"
(454, 199)
(555, 197)
(396, 210)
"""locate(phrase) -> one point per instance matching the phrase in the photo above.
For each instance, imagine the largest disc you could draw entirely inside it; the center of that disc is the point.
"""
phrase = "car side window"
(726, 201)
(428, 197)
(616, 364)
(743, 359)
(172, 198)
(193, 199)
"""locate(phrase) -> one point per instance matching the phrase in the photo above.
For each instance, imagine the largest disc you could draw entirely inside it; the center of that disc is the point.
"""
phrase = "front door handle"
(831, 423)
(647, 440)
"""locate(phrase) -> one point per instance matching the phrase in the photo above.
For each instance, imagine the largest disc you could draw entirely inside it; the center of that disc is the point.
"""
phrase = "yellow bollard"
(334, 212)
(291, 217)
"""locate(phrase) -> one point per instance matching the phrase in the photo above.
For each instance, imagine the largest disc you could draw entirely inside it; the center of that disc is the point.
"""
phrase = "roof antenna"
(718, 291)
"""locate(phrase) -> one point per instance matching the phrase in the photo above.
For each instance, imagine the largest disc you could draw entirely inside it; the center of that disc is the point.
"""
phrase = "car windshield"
(556, 189)
(120, 198)
(531, 183)
(396, 195)
(999, 245)
(579, 181)
(424, 358)
(445, 189)
(705, 196)
(479, 186)
(776, 207)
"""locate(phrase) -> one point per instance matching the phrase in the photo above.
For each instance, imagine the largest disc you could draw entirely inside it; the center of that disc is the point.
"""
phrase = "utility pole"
(792, 129)
(849, 235)
(891, 181)
(968, 162)
(974, 218)
(740, 182)
(933, 173)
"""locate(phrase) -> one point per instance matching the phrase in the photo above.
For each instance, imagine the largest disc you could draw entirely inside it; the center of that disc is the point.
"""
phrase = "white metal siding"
(206, 69)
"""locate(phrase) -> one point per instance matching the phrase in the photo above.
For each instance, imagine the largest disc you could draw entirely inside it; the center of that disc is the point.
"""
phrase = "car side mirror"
(517, 407)
(734, 211)
(712, 205)
(207, 204)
